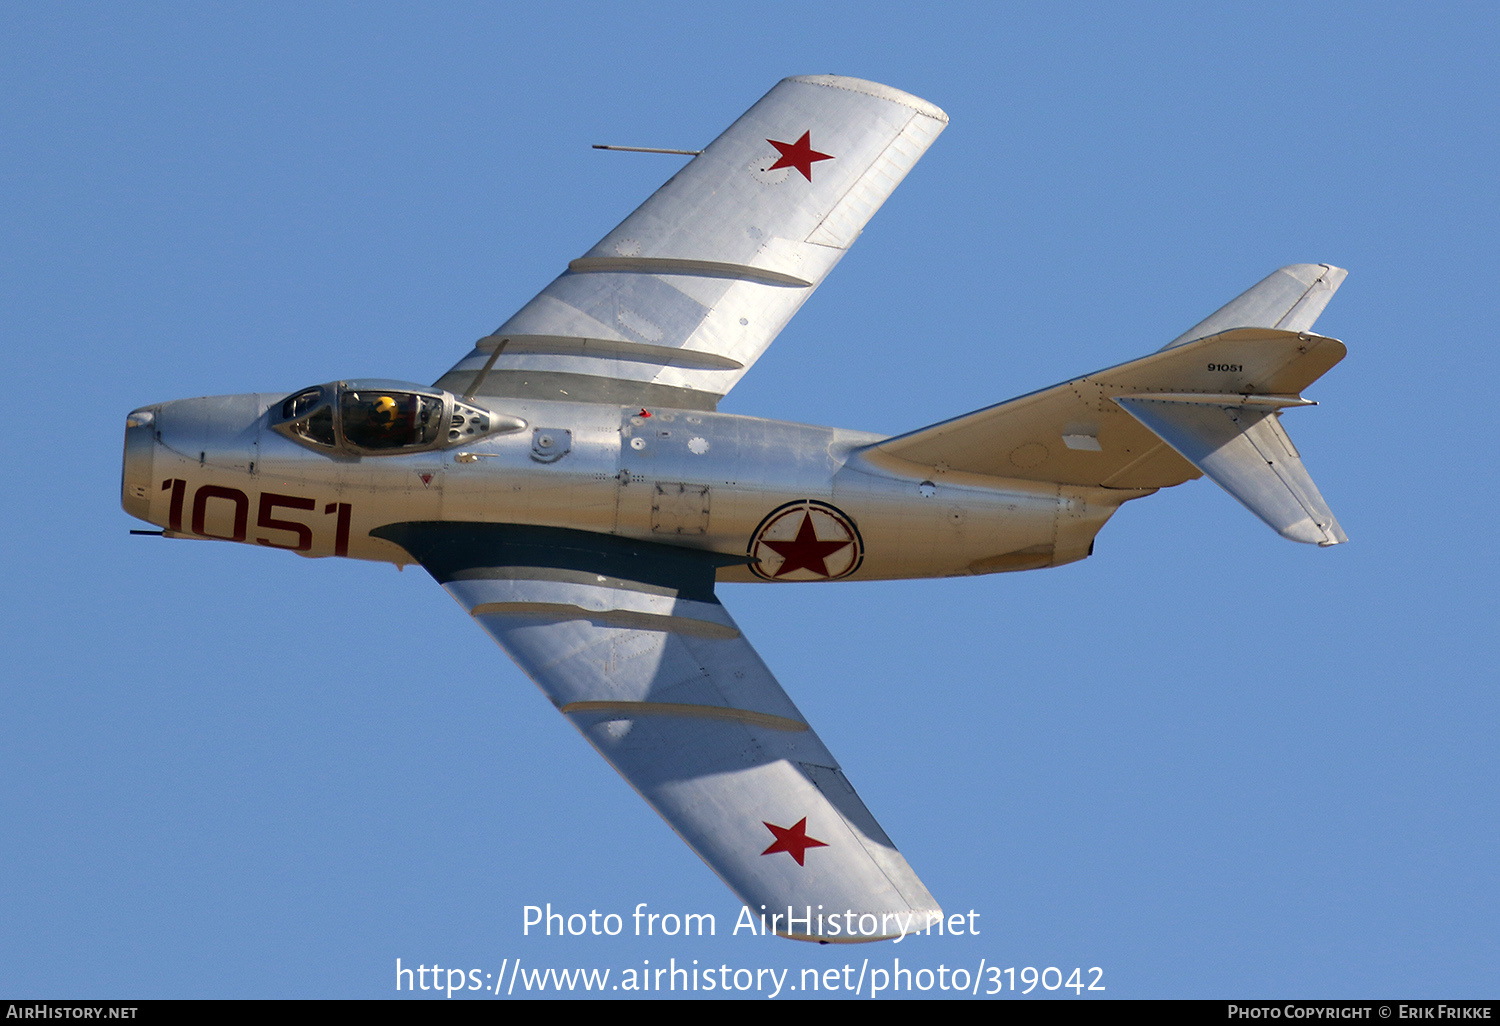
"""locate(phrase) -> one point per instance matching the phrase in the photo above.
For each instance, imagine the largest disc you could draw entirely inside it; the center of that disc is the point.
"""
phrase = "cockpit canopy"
(383, 418)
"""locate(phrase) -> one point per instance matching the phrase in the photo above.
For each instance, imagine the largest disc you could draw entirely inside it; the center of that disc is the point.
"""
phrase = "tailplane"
(1239, 442)
(1206, 404)
(1289, 299)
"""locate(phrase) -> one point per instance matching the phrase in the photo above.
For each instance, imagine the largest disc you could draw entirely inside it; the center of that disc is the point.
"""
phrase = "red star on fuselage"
(799, 155)
(793, 840)
(805, 552)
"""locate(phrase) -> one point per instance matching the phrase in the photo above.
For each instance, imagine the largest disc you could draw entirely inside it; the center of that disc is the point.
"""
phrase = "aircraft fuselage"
(800, 502)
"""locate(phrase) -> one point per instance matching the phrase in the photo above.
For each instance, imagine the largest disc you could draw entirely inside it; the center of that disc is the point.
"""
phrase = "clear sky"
(1209, 761)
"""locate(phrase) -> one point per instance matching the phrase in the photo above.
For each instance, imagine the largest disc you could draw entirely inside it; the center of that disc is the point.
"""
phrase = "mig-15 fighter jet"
(571, 484)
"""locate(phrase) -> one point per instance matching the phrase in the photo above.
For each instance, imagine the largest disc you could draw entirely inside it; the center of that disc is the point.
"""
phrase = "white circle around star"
(806, 540)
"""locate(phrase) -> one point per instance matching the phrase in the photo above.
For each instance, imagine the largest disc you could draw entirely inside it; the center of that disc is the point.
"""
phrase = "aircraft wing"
(627, 639)
(674, 306)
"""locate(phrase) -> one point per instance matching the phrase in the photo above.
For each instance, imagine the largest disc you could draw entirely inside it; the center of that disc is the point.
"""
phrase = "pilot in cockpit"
(384, 415)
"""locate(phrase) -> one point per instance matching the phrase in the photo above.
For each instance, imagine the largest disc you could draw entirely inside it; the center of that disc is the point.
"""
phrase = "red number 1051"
(265, 518)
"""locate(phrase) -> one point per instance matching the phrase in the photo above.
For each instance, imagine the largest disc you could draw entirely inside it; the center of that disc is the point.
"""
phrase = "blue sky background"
(1207, 760)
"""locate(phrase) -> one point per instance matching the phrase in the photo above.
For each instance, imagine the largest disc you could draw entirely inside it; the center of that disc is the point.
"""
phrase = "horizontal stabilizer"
(1074, 434)
(1289, 299)
(1239, 442)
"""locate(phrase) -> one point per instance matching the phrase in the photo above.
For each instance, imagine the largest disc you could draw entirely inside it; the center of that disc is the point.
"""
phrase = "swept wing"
(627, 640)
(675, 305)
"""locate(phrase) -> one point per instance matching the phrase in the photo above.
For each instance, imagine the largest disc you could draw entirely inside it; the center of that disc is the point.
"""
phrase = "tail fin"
(1203, 405)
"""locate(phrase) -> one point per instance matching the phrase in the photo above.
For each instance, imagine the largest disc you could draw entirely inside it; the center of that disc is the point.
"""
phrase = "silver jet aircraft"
(571, 484)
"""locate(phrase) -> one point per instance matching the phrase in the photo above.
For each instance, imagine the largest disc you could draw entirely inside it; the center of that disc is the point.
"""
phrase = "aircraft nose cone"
(135, 478)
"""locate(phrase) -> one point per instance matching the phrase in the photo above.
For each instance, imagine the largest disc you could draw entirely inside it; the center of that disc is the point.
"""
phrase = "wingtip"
(909, 923)
(876, 89)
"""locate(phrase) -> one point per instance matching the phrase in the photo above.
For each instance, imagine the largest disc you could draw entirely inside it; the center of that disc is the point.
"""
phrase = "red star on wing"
(805, 552)
(793, 840)
(799, 155)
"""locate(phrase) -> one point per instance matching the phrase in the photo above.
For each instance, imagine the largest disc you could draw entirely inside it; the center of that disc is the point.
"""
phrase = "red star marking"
(799, 155)
(805, 552)
(793, 840)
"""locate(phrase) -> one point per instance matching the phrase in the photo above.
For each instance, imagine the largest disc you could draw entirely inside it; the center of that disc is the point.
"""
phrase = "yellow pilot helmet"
(383, 412)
